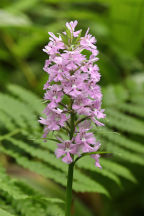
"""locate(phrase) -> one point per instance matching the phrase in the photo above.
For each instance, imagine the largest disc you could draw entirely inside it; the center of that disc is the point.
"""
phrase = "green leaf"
(117, 169)
(8, 186)
(27, 97)
(131, 108)
(88, 164)
(117, 138)
(124, 122)
(9, 19)
(5, 213)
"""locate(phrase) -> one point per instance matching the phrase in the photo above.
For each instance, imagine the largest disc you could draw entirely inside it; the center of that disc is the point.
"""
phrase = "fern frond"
(81, 182)
(51, 159)
(54, 210)
(22, 116)
(6, 121)
(26, 96)
(37, 167)
(118, 169)
(40, 154)
(131, 108)
(34, 207)
(119, 139)
(87, 164)
(34, 194)
(23, 199)
(8, 186)
(124, 122)
(5, 213)
(125, 154)
(49, 144)
(137, 99)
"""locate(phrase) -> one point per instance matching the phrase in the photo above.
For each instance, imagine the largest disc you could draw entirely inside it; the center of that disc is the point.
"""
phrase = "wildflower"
(96, 157)
(73, 95)
(85, 140)
(71, 26)
(88, 41)
(55, 119)
(66, 149)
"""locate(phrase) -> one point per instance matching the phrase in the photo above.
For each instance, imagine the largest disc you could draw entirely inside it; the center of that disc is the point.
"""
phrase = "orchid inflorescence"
(72, 95)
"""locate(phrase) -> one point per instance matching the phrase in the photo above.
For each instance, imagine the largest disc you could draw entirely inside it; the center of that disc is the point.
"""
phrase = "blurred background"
(118, 26)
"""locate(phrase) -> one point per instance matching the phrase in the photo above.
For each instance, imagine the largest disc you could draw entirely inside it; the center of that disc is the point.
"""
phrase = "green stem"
(70, 171)
(69, 190)
(72, 125)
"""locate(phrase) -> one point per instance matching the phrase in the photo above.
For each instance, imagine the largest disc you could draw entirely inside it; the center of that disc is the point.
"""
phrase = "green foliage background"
(32, 181)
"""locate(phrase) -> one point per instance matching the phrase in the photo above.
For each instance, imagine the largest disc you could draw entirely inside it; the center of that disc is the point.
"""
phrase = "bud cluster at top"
(72, 95)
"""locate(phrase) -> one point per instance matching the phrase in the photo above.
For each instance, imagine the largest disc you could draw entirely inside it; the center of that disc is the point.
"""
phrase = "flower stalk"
(73, 98)
(70, 169)
(69, 189)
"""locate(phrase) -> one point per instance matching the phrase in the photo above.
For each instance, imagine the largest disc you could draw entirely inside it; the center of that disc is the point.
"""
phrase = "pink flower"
(72, 89)
(96, 157)
(72, 59)
(93, 72)
(71, 26)
(55, 119)
(96, 110)
(95, 91)
(54, 45)
(54, 95)
(85, 140)
(66, 149)
(88, 41)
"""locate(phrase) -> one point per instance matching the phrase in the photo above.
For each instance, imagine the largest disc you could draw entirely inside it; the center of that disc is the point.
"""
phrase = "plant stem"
(70, 171)
(69, 190)
(72, 125)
